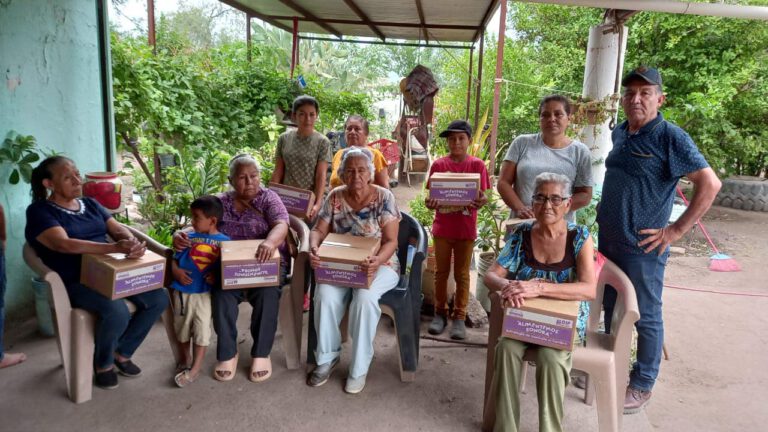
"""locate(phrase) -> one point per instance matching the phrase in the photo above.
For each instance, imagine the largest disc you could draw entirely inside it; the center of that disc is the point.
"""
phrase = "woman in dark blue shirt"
(61, 226)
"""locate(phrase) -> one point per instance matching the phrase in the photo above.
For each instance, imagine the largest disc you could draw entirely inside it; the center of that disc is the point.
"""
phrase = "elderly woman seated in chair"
(551, 258)
(61, 226)
(357, 208)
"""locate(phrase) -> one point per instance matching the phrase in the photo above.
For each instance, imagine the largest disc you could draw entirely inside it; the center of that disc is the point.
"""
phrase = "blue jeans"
(116, 330)
(647, 275)
(2, 299)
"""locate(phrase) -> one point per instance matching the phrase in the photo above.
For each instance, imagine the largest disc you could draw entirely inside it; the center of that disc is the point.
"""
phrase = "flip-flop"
(226, 366)
(12, 359)
(184, 378)
(260, 364)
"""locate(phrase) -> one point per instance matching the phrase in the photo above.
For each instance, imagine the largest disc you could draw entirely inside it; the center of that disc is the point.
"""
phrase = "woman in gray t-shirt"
(547, 151)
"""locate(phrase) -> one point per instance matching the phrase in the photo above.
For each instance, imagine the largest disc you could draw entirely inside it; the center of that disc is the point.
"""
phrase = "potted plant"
(491, 230)
(20, 152)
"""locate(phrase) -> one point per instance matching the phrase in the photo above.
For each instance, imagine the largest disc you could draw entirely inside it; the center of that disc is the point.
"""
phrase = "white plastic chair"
(75, 327)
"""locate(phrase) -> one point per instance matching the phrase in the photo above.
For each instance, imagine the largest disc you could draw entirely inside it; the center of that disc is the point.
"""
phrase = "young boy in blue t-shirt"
(194, 274)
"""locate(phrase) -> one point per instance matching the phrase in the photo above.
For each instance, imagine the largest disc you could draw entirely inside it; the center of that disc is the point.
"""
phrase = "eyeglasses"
(555, 200)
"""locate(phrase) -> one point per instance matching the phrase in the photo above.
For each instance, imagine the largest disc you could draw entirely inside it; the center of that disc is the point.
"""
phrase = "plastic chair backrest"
(411, 233)
(626, 311)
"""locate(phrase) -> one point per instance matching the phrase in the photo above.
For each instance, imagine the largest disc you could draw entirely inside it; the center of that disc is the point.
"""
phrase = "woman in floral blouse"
(358, 208)
(551, 258)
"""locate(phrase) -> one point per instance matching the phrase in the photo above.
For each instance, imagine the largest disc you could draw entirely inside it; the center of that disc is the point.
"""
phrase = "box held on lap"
(340, 259)
(240, 268)
(114, 276)
(542, 321)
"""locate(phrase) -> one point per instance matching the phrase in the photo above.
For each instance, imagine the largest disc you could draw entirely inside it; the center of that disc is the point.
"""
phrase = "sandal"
(12, 359)
(184, 378)
(181, 367)
(261, 369)
(225, 370)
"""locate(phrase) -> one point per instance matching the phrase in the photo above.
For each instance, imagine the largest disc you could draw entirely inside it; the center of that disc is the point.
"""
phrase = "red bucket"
(104, 187)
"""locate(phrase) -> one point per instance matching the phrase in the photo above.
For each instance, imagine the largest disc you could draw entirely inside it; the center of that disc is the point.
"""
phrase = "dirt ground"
(715, 378)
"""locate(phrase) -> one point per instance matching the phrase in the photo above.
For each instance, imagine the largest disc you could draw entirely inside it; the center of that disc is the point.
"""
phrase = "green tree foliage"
(714, 71)
(336, 67)
(202, 104)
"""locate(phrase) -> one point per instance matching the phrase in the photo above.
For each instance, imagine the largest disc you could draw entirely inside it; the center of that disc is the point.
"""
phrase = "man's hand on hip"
(659, 238)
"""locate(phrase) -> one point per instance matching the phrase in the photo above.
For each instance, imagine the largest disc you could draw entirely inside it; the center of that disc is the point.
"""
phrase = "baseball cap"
(457, 126)
(645, 73)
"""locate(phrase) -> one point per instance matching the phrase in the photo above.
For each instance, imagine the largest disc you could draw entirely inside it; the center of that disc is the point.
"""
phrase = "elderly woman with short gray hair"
(251, 212)
(551, 258)
(357, 208)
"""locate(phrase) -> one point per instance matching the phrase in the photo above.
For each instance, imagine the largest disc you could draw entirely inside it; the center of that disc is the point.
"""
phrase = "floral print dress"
(517, 257)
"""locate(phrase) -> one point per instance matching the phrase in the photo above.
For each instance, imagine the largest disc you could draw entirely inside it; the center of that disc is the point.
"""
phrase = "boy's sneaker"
(437, 325)
(106, 380)
(127, 368)
(635, 400)
(458, 329)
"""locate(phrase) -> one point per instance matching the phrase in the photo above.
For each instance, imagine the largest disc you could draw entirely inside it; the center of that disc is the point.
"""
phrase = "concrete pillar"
(599, 83)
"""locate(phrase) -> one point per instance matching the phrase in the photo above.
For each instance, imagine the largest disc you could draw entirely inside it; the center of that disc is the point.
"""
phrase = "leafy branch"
(20, 151)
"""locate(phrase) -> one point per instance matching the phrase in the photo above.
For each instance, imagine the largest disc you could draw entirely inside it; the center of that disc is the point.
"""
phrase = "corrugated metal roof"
(422, 20)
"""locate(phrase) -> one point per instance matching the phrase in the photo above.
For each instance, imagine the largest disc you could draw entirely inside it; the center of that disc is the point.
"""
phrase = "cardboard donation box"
(240, 269)
(454, 189)
(297, 201)
(542, 321)
(114, 276)
(340, 258)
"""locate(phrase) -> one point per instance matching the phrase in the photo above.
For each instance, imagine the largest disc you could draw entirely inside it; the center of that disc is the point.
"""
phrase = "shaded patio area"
(714, 380)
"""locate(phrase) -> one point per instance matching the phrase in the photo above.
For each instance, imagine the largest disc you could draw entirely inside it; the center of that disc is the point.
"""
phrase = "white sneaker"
(355, 385)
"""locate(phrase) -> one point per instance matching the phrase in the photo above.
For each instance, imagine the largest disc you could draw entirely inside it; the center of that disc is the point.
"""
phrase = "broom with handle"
(719, 261)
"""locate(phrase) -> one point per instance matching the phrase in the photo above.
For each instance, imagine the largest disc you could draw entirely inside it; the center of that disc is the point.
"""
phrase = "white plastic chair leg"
(605, 386)
(80, 385)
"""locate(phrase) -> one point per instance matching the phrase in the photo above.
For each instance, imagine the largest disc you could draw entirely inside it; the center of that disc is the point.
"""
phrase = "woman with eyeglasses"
(550, 150)
(551, 258)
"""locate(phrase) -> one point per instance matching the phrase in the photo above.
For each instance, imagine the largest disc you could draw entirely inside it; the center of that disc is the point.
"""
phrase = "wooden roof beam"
(486, 18)
(312, 17)
(253, 13)
(365, 19)
(381, 23)
(420, 9)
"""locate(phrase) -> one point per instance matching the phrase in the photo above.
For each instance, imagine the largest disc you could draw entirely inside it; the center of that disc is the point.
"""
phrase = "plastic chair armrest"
(152, 244)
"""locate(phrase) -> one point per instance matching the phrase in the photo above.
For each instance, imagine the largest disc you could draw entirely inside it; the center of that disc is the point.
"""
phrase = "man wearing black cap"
(455, 230)
(648, 158)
